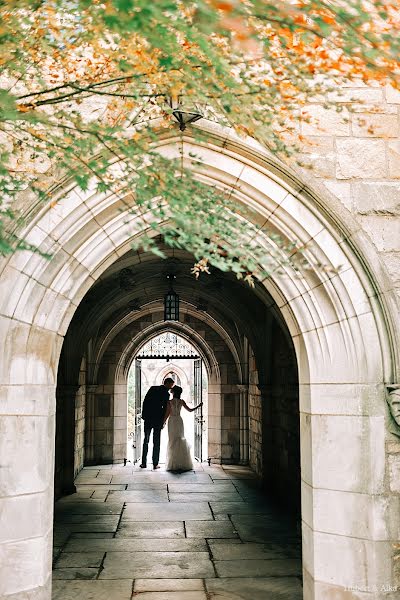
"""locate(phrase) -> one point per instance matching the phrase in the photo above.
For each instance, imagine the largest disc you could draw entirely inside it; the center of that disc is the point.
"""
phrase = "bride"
(178, 452)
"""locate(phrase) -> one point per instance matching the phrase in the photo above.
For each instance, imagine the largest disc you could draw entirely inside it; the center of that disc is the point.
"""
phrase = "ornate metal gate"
(137, 434)
(198, 415)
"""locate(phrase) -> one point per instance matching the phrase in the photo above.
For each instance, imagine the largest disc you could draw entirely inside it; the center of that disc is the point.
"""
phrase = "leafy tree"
(82, 81)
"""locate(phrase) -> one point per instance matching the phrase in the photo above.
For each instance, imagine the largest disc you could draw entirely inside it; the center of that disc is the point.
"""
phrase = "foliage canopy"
(82, 82)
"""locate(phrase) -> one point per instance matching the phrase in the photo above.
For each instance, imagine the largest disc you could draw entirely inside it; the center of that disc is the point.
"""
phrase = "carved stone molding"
(243, 387)
(393, 400)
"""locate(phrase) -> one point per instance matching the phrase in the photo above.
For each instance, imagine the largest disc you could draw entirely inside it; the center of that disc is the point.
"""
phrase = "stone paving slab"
(197, 595)
(140, 496)
(238, 508)
(168, 538)
(83, 493)
(206, 497)
(88, 508)
(150, 485)
(93, 480)
(92, 590)
(89, 535)
(140, 529)
(226, 551)
(182, 511)
(60, 534)
(75, 573)
(80, 559)
(97, 527)
(56, 552)
(230, 541)
(157, 477)
(69, 519)
(99, 495)
(157, 565)
(101, 486)
(212, 529)
(136, 545)
(168, 585)
(263, 530)
(88, 497)
(219, 476)
(187, 488)
(258, 568)
(247, 588)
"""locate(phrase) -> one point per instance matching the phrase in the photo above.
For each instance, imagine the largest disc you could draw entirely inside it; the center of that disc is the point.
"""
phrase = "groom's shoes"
(156, 467)
(143, 466)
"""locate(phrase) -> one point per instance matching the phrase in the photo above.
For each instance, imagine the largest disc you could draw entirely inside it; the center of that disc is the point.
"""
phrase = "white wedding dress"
(178, 450)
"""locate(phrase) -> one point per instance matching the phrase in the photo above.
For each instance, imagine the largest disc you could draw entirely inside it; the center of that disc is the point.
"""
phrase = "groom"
(153, 412)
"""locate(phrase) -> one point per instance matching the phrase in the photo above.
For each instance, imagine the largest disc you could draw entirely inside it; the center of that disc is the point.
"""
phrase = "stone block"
(345, 399)
(319, 166)
(317, 145)
(394, 159)
(347, 453)
(360, 516)
(394, 473)
(26, 516)
(341, 190)
(360, 159)
(350, 562)
(27, 463)
(35, 400)
(376, 197)
(319, 121)
(352, 94)
(392, 95)
(392, 263)
(25, 565)
(384, 231)
(375, 125)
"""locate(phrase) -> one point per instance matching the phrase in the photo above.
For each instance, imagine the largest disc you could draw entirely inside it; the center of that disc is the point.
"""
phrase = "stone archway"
(343, 330)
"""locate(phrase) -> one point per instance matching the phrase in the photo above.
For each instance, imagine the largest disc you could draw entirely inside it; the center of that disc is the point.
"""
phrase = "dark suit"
(153, 412)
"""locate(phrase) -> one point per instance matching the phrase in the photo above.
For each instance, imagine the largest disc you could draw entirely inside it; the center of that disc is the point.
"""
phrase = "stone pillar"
(65, 439)
(90, 423)
(244, 423)
(265, 427)
(27, 435)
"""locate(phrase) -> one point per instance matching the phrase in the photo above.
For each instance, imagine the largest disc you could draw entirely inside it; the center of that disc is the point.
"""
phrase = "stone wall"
(80, 411)
(355, 154)
(255, 418)
(274, 422)
(281, 423)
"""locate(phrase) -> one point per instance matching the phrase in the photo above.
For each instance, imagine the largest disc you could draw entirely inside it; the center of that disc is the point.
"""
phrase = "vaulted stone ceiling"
(135, 286)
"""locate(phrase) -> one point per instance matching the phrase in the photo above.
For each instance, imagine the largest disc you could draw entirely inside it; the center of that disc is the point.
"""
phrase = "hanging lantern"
(171, 303)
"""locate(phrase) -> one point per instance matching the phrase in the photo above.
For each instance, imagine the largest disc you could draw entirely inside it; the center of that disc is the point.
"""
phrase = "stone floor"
(152, 535)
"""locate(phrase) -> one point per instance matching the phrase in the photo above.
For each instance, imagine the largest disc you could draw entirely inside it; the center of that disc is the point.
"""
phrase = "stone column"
(65, 438)
(244, 423)
(265, 425)
(91, 390)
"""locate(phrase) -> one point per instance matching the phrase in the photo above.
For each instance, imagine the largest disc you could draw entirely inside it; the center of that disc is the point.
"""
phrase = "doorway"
(168, 355)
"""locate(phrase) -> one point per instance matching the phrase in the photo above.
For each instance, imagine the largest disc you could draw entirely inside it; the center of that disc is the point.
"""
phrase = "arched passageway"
(168, 355)
(336, 332)
(253, 412)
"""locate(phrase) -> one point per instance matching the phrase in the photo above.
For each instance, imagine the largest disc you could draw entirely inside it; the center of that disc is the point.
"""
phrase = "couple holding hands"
(158, 408)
